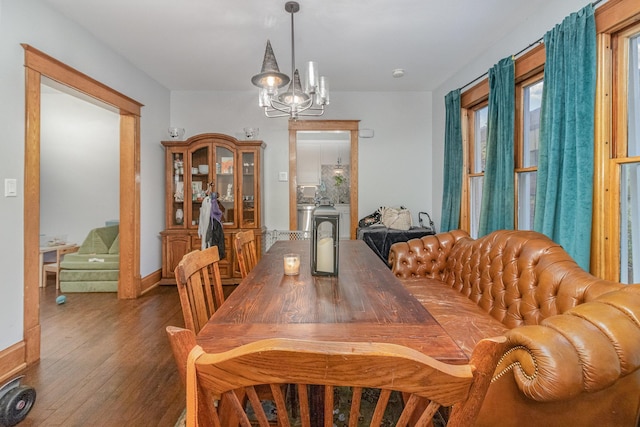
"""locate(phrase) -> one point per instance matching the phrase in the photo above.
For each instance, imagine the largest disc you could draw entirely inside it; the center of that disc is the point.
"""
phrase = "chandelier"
(295, 101)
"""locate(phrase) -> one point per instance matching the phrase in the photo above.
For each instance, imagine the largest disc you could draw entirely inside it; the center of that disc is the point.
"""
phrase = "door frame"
(350, 126)
(38, 65)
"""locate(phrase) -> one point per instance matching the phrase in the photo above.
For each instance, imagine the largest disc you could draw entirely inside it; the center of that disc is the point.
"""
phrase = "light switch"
(10, 187)
(283, 176)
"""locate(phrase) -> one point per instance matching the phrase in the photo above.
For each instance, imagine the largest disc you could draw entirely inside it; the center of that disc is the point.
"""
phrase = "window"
(630, 170)
(478, 151)
(615, 244)
(528, 140)
(480, 140)
(529, 98)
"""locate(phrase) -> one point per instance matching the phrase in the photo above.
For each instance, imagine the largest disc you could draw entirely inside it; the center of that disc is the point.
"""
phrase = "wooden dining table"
(364, 303)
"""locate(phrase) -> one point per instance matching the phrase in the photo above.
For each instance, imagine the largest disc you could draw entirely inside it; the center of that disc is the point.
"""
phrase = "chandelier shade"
(294, 95)
(270, 76)
(299, 100)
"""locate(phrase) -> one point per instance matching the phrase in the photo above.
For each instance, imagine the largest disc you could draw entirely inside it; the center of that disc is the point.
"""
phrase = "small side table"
(46, 249)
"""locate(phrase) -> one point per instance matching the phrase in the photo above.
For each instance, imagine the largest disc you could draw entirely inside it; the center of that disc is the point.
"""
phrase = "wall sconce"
(325, 226)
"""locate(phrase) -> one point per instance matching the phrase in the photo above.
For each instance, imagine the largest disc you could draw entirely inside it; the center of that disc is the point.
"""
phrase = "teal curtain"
(497, 207)
(564, 194)
(450, 218)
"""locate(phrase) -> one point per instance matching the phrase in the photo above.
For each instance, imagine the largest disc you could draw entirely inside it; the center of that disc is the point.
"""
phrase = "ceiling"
(219, 44)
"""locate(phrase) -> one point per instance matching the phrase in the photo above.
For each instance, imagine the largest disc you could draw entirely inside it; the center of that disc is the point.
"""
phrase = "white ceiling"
(219, 44)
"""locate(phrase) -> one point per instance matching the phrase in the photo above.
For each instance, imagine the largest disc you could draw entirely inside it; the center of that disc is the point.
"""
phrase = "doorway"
(330, 128)
(37, 66)
(79, 165)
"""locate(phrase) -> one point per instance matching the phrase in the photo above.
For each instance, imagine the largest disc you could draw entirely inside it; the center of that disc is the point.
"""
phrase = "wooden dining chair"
(425, 383)
(246, 253)
(54, 267)
(199, 286)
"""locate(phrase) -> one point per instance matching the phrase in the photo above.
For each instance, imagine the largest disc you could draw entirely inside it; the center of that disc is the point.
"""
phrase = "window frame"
(611, 149)
(520, 169)
(468, 132)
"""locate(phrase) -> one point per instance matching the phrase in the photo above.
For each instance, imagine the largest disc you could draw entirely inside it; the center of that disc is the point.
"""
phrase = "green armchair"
(96, 265)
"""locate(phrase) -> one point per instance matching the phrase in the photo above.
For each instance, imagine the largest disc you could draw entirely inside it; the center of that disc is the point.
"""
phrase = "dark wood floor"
(106, 362)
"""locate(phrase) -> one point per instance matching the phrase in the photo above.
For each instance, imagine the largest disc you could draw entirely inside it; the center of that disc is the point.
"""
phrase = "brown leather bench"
(573, 356)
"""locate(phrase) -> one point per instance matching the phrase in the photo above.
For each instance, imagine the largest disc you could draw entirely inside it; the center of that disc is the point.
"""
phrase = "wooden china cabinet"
(202, 164)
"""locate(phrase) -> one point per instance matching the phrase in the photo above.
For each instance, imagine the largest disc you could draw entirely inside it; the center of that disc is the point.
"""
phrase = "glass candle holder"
(292, 264)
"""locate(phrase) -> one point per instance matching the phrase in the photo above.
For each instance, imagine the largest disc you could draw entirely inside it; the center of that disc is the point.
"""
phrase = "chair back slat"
(354, 412)
(410, 406)
(424, 383)
(201, 306)
(238, 408)
(246, 253)
(328, 406)
(381, 406)
(281, 407)
(303, 405)
(256, 404)
(200, 286)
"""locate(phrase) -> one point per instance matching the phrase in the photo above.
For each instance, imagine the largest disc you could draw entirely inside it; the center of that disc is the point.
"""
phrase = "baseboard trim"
(12, 361)
(150, 282)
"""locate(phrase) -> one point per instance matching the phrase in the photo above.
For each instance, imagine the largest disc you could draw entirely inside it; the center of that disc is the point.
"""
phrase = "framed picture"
(226, 165)
(196, 187)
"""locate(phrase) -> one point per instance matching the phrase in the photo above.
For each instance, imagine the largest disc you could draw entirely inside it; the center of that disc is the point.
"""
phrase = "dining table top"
(365, 302)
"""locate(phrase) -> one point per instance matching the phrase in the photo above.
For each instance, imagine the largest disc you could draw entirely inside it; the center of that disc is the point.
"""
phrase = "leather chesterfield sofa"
(573, 354)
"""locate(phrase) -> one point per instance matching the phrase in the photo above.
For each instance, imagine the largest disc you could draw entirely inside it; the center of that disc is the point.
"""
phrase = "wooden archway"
(37, 66)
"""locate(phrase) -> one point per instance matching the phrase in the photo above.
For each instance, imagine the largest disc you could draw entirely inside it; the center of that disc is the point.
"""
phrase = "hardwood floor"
(106, 362)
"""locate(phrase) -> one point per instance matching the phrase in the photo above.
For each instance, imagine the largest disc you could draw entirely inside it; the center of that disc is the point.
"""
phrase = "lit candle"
(325, 255)
(291, 264)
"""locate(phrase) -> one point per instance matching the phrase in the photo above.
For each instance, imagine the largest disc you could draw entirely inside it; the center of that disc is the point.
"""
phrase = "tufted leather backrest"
(424, 257)
(519, 277)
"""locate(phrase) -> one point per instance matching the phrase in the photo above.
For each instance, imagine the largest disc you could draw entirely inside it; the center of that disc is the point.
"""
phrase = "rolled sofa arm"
(586, 349)
(425, 256)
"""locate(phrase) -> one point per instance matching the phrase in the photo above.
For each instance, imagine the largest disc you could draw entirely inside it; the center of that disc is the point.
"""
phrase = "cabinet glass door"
(199, 174)
(177, 216)
(248, 190)
(225, 169)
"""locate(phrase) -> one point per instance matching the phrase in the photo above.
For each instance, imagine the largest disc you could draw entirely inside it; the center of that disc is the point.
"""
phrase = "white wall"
(531, 30)
(79, 166)
(394, 166)
(34, 23)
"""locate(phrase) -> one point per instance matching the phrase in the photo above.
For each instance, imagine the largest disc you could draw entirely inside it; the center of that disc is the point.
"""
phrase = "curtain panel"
(452, 193)
(564, 194)
(497, 207)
